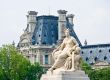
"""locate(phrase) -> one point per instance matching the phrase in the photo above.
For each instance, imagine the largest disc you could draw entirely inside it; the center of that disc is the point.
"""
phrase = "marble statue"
(67, 61)
(67, 55)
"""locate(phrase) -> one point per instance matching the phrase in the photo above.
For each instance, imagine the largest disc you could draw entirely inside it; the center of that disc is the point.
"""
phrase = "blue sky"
(92, 18)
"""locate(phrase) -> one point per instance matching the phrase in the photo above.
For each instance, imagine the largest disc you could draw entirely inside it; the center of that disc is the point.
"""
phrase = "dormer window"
(105, 57)
(87, 58)
(95, 58)
(109, 50)
(44, 43)
(100, 51)
(91, 51)
(82, 52)
(44, 35)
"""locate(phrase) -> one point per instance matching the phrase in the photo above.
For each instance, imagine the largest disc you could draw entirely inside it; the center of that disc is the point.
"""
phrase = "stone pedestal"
(65, 75)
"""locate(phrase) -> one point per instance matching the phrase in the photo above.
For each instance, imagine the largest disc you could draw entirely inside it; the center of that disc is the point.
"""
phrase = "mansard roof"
(95, 46)
(47, 17)
(46, 30)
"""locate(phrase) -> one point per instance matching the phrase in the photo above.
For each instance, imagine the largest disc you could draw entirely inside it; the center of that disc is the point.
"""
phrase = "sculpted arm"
(76, 47)
(61, 47)
(75, 43)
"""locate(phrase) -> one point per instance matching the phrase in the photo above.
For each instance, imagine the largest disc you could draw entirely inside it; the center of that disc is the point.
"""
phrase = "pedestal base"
(65, 75)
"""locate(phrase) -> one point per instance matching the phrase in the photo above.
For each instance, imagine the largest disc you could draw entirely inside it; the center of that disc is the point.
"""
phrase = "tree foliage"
(100, 74)
(13, 66)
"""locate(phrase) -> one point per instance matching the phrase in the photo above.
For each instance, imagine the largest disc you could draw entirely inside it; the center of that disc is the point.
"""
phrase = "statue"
(67, 55)
(67, 61)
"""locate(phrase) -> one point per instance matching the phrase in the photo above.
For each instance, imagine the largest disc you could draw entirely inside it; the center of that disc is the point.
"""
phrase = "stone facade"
(44, 33)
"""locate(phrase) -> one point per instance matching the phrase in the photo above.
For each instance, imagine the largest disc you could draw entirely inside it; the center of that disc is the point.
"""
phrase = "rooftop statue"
(67, 55)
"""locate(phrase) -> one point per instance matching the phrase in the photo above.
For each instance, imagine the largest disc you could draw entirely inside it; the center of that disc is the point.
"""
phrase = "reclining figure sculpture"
(67, 55)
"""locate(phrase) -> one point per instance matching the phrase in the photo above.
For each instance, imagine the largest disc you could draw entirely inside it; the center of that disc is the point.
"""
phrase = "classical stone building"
(44, 33)
(96, 53)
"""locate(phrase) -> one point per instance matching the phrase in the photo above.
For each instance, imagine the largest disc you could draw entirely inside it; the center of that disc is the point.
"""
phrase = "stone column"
(43, 59)
(61, 23)
(38, 56)
(31, 20)
(50, 59)
(32, 58)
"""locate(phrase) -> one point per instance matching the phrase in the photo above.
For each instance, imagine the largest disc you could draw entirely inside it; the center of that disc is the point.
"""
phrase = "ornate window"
(46, 59)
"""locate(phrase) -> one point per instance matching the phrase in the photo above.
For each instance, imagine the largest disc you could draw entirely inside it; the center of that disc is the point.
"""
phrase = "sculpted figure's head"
(67, 34)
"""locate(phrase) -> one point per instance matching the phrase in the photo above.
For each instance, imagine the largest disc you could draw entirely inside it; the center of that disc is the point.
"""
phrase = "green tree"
(86, 67)
(100, 74)
(35, 72)
(13, 66)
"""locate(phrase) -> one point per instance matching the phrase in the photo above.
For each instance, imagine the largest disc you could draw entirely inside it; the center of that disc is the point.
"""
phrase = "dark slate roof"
(46, 30)
(47, 17)
(95, 46)
(72, 32)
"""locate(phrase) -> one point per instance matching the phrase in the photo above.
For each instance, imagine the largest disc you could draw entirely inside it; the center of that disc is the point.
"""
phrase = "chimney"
(31, 20)
(61, 23)
(70, 18)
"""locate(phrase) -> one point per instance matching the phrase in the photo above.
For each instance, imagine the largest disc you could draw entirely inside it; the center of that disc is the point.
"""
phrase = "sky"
(91, 21)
